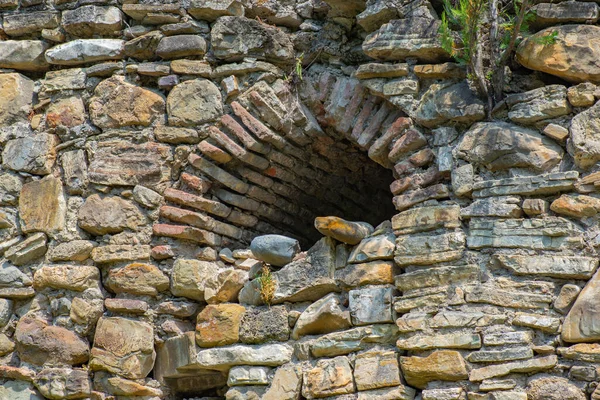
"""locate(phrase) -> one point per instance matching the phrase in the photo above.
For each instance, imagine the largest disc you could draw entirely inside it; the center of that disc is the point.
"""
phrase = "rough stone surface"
(275, 249)
(194, 102)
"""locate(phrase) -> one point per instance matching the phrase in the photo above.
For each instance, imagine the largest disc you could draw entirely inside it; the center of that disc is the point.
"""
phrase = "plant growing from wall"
(266, 285)
(487, 34)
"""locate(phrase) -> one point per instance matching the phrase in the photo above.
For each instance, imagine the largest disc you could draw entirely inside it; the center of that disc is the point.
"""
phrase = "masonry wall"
(151, 149)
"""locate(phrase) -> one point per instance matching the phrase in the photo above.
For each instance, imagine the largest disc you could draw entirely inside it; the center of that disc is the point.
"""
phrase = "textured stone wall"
(157, 156)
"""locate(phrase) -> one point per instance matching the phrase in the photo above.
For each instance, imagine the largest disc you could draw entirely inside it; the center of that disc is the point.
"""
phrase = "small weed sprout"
(267, 285)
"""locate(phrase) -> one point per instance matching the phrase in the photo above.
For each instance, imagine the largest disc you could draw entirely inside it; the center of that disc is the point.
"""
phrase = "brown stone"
(137, 278)
(218, 325)
(576, 205)
(117, 103)
(109, 215)
(582, 322)
(16, 95)
(371, 273)
(39, 343)
(329, 377)
(70, 277)
(124, 347)
(342, 230)
(42, 206)
(67, 112)
(442, 365)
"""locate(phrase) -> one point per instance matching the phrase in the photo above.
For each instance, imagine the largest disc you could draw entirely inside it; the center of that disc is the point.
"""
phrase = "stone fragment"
(179, 46)
(259, 325)
(244, 375)
(535, 207)
(377, 70)
(219, 325)
(89, 21)
(355, 339)
(580, 324)
(566, 297)
(553, 389)
(143, 47)
(556, 132)
(443, 102)
(500, 146)
(538, 104)
(109, 215)
(212, 9)
(328, 378)
(19, 390)
(535, 321)
(42, 206)
(532, 365)
(189, 277)
(26, 55)
(122, 163)
(576, 205)
(286, 383)
(194, 102)
(371, 273)
(39, 343)
(276, 250)
(137, 278)
(342, 230)
(83, 51)
(225, 287)
(69, 277)
(63, 383)
(222, 358)
(24, 23)
(34, 154)
(450, 340)
(124, 347)
(544, 184)
(117, 253)
(571, 53)
(585, 142)
(376, 369)
(429, 249)
(442, 365)
(371, 305)
(323, 316)
(117, 103)
(16, 96)
(415, 35)
(582, 95)
(233, 38)
(563, 267)
(126, 306)
(28, 250)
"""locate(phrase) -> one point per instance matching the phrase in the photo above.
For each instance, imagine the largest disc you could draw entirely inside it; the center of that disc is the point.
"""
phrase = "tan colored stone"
(371, 273)
(532, 365)
(137, 278)
(194, 102)
(342, 230)
(16, 95)
(582, 323)
(286, 383)
(189, 277)
(69, 277)
(426, 218)
(219, 325)
(553, 388)
(6, 345)
(376, 369)
(117, 103)
(42, 206)
(67, 112)
(576, 205)
(323, 316)
(329, 377)
(225, 286)
(124, 347)
(442, 365)
(570, 56)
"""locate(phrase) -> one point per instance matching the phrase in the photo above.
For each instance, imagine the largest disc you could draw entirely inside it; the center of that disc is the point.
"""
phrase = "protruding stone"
(83, 51)
(576, 205)
(342, 230)
(222, 358)
(117, 103)
(275, 249)
(323, 316)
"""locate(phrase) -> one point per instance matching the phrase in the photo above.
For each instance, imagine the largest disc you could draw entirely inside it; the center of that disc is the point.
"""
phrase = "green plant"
(548, 39)
(267, 285)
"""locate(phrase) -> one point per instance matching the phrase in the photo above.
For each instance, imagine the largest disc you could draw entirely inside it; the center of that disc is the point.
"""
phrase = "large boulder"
(500, 146)
(233, 38)
(573, 53)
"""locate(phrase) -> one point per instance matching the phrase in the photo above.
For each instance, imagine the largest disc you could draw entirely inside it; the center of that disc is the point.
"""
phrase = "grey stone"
(581, 324)
(415, 35)
(498, 207)
(401, 392)
(89, 21)
(27, 55)
(509, 354)
(194, 102)
(538, 104)
(75, 170)
(500, 146)
(349, 341)
(535, 321)
(233, 38)
(210, 10)
(17, 96)
(189, 277)
(245, 375)
(584, 138)
(323, 316)
(82, 51)
(63, 383)
(222, 358)
(371, 305)
(259, 325)
(544, 184)
(28, 250)
(429, 249)
(24, 23)
(439, 276)
(34, 154)
(553, 388)
(450, 340)
(493, 371)
(181, 46)
(19, 390)
(564, 267)
(442, 103)
(275, 249)
(379, 247)
(566, 297)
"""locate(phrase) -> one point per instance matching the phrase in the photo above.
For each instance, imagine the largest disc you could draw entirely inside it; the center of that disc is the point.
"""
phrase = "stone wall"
(164, 163)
